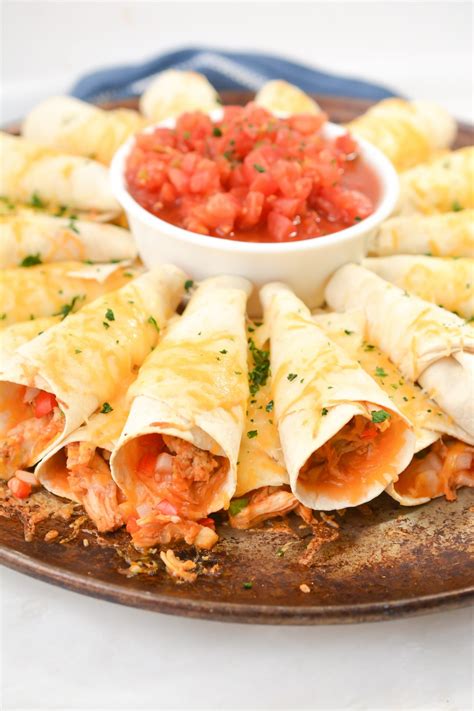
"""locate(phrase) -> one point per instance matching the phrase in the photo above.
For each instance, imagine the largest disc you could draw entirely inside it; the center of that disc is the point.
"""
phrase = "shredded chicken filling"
(338, 460)
(266, 503)
(440, 469)
(22, 444)
(182, 481)
(91, 483)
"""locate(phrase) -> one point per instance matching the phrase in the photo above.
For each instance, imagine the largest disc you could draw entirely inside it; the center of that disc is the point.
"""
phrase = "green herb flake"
(109, 315)
(188, 284)
(369, 347)
(291, 376)
(105, 324)
(36, 201)
(152, 321)
(280, 553)
(3, 317)
(247, 586)
(78, 350)
(456, 206)
(269, 406)
(252, 433)
(223, 351)
(236, 506)
(324, 411)
(357, 218)
(259, 168)
(31, 260)
(66, 309)
(216, 131)
(380, 416)
(186, 135)
(72, 224)
(106, 408)
(380, 372)
(347, 332)
(258, 376)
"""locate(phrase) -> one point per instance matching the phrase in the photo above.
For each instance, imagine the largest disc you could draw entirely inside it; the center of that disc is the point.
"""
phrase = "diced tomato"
(239, 178)
(19, 488)
(44, 403)
(208, 523)
(147, 464)
(132, 525)
(369, 432)
(279, 227)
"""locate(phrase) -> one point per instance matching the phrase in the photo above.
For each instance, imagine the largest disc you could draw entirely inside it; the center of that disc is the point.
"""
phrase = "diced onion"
(27, 477)
(30, 394)
(164, 464)
(143, 510)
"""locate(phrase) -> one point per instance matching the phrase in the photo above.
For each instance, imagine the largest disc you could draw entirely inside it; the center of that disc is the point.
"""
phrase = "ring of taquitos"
(179, 417)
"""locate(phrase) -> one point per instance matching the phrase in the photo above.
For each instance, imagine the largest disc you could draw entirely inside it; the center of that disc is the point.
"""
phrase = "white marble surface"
(60, 650)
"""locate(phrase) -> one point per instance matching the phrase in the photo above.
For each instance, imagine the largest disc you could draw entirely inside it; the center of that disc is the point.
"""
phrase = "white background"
(63, 651)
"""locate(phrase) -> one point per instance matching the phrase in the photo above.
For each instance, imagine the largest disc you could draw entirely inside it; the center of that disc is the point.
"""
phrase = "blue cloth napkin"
(225, 70)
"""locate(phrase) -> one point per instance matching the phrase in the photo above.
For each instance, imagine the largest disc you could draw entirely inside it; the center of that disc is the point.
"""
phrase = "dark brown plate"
(388, 562)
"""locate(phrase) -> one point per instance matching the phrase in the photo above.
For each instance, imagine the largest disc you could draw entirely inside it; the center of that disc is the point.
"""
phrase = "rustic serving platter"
(389, 561)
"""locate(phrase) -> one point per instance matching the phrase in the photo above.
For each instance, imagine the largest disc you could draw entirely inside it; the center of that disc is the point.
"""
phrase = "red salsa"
(251, 176)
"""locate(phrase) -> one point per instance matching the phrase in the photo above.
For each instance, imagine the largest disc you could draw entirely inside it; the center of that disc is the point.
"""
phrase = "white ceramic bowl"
(305, 265)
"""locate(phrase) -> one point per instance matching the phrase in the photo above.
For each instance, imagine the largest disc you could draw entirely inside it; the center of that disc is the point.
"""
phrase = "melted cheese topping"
(439, 186)
(79, 128)
(447, 235)
(54, 239)
(395, 128)
(280, 96)
(48, 289)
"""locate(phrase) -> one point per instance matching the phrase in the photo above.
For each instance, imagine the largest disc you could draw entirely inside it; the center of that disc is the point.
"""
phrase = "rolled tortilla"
(443, 185)
(443, 281)
(9, 209)
(76, 127)
(16, 335)
(54, 382)
(78, 467)
(58, 288)
(280, 96)
(59, 239)
(443, 458)
(427, 343)
(32, 173)
(176, 460)
(447, 235)
(408, 132)
(343, 440)
(173, 92)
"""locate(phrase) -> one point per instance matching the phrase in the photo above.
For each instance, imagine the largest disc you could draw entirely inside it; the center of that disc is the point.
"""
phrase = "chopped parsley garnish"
(66, 309)
(405, 398)
(247, 586)
(456, 206)
(347, 332)
(3, 317)
(380, 372)
(357, 218)
(60, 211)
(380, 416)
(109, 315)
(269, 406)
(324, 411)
(216, 131)
(236, 506)
(78, 350)
(106, 407)
(105, 324)
(280, 552)
(7, 202)
(369, 347)
(223, 351)
(259, 168)
(292, 376)
(72, 224)
(186, 135)
(31, 260)
(258, 376)
(252, 433)
(188, 284)
(153, 323)
(36, 201)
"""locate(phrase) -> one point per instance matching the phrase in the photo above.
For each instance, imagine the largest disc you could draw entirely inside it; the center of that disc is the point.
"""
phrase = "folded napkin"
(225, 70)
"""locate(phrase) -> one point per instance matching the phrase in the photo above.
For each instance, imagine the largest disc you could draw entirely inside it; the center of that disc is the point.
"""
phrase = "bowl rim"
(380, 164)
